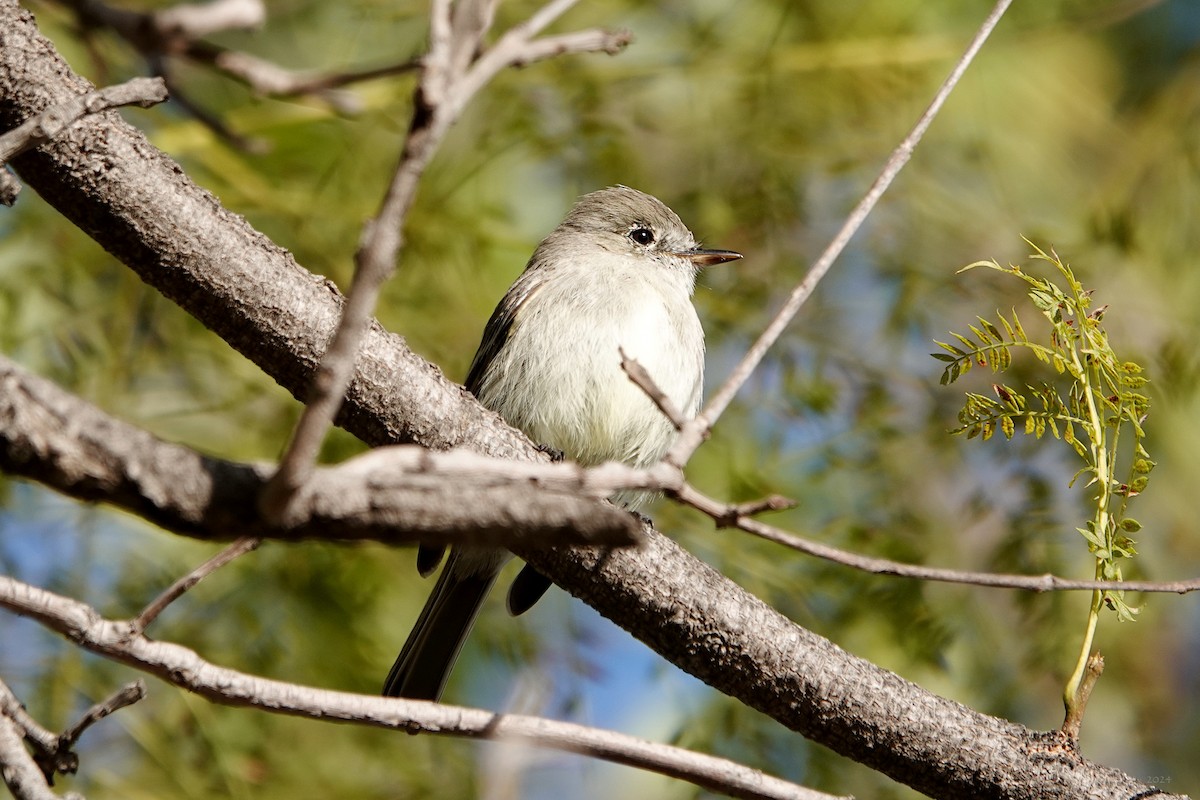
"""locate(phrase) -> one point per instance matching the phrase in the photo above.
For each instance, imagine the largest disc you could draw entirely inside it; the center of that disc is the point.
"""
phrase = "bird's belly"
(592, 411)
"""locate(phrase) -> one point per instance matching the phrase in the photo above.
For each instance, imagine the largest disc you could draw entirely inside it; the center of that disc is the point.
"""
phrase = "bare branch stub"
(38, 130)
(1074, 718)
(125, 696)
(10, 187)
(641, 377)
(735, 513)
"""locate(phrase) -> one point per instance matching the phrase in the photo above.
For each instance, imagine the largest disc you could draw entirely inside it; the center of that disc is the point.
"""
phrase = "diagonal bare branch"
(17, 768)
(177, 589)
(697, 430)
(453, 72)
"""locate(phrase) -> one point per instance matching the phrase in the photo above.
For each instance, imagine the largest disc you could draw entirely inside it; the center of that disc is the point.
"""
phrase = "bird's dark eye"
(643, 236)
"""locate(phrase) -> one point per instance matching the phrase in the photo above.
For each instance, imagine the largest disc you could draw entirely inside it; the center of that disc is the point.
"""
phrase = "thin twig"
(719, 511)
(269, 79)
(175, 590)
(697, 430)
(641, 377)
(125, 696)
(735, 513)
(183, 667)
(183, 99)
(176, 33)
(38, 130)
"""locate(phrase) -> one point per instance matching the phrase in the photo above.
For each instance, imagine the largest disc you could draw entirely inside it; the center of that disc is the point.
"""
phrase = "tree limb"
(52, 436)
(184, 668)
(20, 774)
(393, 494)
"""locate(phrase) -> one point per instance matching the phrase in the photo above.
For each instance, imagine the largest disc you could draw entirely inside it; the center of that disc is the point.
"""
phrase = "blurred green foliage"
(761, 123)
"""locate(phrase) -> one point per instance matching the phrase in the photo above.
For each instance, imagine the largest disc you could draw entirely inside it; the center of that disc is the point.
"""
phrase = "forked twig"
(127, 695)
(35, 131)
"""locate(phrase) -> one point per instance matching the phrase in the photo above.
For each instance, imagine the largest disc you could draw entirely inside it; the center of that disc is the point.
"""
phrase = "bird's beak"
(708, 258)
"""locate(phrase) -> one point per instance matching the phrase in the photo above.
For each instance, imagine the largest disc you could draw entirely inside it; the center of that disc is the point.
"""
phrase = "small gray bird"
(618, 273)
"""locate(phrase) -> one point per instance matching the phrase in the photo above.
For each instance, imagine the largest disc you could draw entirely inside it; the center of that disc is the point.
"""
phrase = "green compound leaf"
(1102, 405)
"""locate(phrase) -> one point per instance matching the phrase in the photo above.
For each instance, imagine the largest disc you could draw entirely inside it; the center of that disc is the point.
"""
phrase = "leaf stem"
(1104, 481)
(1071, 692)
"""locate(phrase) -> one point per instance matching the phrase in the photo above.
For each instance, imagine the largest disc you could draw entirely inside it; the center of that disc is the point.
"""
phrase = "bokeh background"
(761, 122)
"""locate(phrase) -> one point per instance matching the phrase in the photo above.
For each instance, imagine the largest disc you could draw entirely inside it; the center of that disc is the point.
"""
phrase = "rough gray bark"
(70, 445)
(138, 204)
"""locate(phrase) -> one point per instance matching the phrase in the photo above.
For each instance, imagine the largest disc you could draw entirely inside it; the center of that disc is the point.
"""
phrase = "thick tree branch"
(17, 768)
(185, 668)
(54, 437)
(179, 239)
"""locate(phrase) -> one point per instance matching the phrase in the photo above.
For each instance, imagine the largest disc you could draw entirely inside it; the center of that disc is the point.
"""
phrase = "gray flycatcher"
(618, 273)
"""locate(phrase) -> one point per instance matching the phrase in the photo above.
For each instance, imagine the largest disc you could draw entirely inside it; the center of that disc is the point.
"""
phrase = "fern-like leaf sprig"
(1101, 400)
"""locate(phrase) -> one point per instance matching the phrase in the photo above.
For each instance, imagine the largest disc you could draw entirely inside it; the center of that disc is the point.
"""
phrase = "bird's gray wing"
(496, 332)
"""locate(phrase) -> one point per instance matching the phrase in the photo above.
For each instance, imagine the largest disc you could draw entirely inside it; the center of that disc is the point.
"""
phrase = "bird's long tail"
(425, 661)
